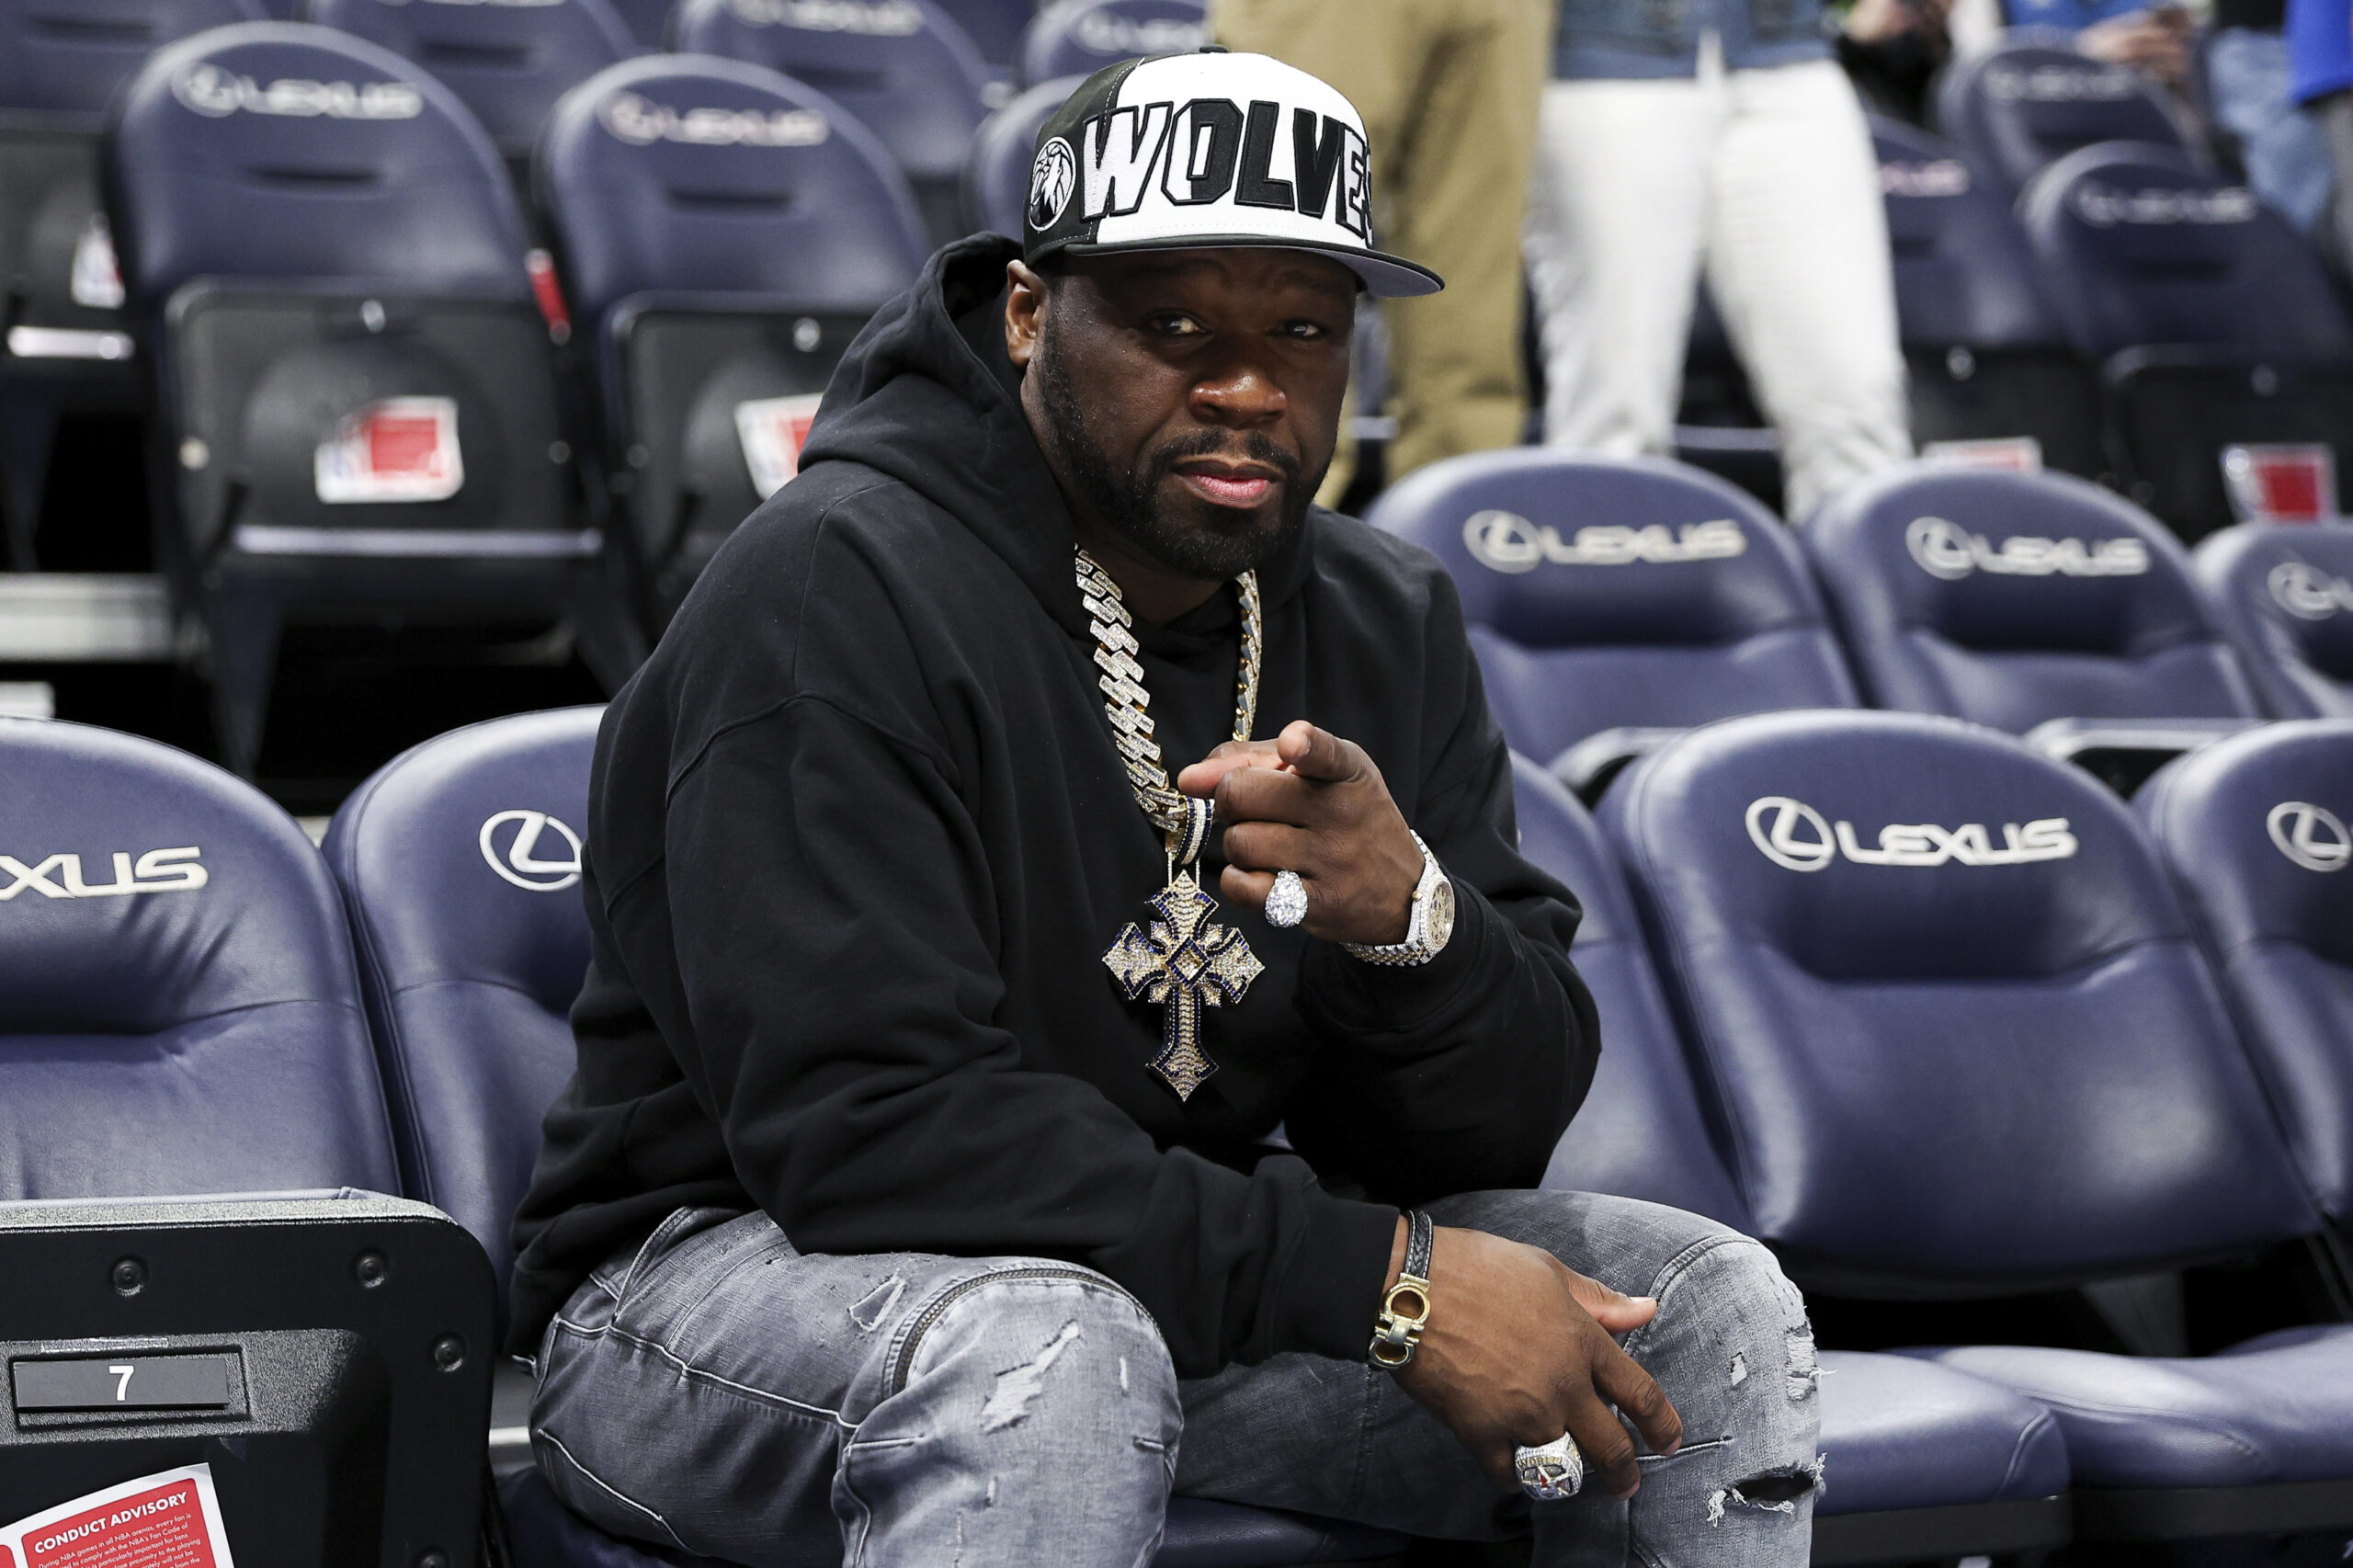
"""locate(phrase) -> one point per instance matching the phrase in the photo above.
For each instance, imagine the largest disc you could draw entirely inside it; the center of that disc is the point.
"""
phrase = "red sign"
(2281, 483)
(404, 448)
(168, 1520)
(773, 430)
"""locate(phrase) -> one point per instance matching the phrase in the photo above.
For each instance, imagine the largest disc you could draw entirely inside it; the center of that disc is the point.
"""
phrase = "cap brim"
(1384, 276)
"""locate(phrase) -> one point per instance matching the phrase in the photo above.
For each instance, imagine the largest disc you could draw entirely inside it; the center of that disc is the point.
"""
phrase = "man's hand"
(2156, 41)
(1311, 802)
(1518, 1350)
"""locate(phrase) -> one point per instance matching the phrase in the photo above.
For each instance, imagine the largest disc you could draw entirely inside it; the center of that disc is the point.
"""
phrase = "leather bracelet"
(1406, 1308)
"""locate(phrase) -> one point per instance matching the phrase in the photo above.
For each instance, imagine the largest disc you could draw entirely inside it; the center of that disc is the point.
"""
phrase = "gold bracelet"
(1405, 1307)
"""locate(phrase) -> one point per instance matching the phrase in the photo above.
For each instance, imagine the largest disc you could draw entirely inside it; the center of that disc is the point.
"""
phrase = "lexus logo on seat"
(1944, 548)
(1507, 542)
(60, 876)
(1795, 836)
(2308, 593)
(2313, 836)
(1791, 833)
(520, 860)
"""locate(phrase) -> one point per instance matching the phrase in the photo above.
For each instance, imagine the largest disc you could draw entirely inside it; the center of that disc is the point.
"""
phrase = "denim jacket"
(1604, 39)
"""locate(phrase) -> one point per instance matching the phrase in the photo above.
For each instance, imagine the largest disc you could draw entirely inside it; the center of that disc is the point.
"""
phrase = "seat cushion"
(1901, 1433)
(2273, 1410)
(544, 1533)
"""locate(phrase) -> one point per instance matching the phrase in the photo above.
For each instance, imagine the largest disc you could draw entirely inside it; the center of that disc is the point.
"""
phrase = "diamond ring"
(1287, 903)
(1552, 1472)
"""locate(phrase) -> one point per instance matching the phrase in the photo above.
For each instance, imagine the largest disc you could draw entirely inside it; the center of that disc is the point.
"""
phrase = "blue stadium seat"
(460, 865)
(507, 63)
(171, 950)
(181, 1033)
(2283, 593)
(997, 174)
(1607, 597)
(1078, 38)
(2021, 105)
(724, 232)
(67, 349)
(2255, 833)
(359, 394)
(1943, 1000)
(1987, 359)
(2022, 599)
(2212, 322)
(903, 67)
(648, 21)
(1924, 1461)
(993, 25)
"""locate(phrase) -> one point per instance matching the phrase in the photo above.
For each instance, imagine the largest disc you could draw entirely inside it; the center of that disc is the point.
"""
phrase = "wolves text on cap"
(1203, 152)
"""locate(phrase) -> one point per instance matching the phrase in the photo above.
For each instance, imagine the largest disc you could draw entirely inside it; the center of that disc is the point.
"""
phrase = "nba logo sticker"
(773, 430)
(404, 448)
(1053, 178)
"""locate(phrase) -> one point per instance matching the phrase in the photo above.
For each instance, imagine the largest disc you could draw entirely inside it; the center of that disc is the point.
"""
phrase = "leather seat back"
(672, 174)
(1640, 1132)
(994, 27)
(2025, 104)
(2011, 598)
(277, 150)
(509, 64)
(996, 174)
(1078, 38)
(178, 1009)
(2254, 830)
(2284, 594)
(1960, 1031)
(908, 72)
(2140, 247)
(1619, 592)
(67, 57)
(1962, 274)
(647, 21)
(460, 863)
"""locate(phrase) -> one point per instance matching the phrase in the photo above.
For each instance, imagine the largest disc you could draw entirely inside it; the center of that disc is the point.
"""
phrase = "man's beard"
(1132, 504)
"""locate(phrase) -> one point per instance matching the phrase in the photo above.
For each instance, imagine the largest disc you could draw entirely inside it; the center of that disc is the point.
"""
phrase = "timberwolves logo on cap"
(1051, 179)
(1210, 149)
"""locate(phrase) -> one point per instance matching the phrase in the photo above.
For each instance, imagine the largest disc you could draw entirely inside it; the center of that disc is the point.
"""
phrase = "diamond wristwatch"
(1431, 923)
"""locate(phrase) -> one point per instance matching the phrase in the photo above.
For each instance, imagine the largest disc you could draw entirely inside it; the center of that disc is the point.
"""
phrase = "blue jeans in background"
(2287, 160)
(717, 1392)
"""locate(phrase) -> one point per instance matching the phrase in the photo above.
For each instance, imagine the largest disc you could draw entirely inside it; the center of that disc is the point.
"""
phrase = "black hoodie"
(858, 839)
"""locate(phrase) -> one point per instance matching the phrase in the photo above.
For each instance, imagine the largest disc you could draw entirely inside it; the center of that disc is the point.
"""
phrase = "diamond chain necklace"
(1181, 960)
(1129, 705)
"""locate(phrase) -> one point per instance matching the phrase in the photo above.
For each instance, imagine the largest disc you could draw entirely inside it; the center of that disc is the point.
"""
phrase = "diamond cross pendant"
(1185, 964)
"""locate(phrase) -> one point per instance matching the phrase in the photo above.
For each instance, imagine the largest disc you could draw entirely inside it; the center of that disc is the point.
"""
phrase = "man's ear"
(1024, 312)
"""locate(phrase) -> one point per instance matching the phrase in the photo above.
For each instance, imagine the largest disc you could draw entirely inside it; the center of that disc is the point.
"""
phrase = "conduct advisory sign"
(170, 1519)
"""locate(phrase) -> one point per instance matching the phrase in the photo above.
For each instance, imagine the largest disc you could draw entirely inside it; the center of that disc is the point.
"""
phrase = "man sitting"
(979, 1132)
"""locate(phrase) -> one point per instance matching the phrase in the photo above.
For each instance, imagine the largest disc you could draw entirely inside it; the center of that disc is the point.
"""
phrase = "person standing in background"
(1449, 91)
(2320, 66)
(1680, 132)
(2250, 84)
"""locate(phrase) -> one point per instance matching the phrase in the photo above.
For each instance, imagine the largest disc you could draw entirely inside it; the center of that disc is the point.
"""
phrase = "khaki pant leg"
(1457, 198)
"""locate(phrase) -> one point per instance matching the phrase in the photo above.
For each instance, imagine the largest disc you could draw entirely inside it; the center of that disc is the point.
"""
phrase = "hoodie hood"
(927, 395)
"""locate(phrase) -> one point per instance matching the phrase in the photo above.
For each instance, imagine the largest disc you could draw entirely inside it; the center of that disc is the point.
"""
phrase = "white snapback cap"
(1209, 150)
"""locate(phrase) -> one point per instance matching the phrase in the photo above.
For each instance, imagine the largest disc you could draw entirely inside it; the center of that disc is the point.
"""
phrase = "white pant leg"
(1615, 230)
(1798, 261)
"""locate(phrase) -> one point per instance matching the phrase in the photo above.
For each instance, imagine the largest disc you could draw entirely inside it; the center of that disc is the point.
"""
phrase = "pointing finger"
(1202, 778)
(1318, 754)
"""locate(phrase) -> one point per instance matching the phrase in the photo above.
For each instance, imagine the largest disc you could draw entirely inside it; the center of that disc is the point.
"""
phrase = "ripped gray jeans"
(716, 1391)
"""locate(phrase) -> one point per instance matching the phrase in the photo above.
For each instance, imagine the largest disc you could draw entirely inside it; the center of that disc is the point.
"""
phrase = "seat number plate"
(124, 1382)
